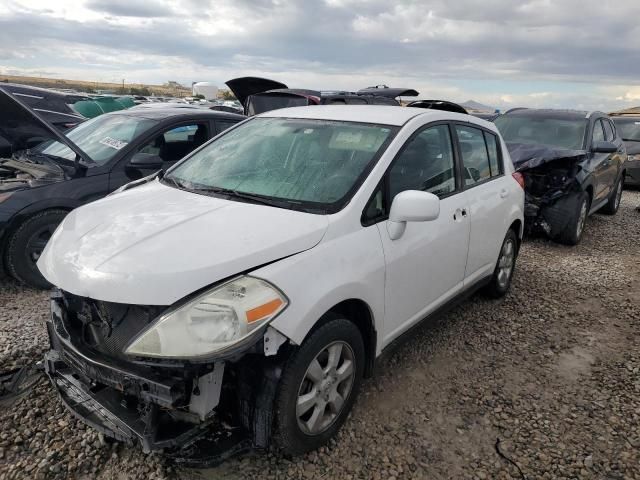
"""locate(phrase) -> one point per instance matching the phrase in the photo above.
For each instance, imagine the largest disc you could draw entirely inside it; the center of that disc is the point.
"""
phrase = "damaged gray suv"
(573, 163)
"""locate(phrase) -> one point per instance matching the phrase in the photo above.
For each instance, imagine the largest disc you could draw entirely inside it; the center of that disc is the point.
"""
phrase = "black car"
(40, 184)
(259, 95)
(629, 128)
(573, 163)
(55, 107)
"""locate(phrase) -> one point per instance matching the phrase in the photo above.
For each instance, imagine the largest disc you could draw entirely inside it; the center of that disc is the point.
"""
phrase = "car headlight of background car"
(211, 322)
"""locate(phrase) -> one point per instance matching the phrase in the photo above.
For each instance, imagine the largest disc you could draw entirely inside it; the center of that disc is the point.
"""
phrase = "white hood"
(154, 244)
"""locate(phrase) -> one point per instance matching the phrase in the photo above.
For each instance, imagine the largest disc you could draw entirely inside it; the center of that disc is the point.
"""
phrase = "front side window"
(608, 130)
(546, 130)
(177, 142)
(598, 132)
(307, 163)
(425, 163)
(100, 138)
(475, 156)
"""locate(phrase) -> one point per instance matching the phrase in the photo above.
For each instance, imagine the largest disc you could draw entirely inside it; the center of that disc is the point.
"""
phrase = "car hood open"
(22, 127)
(244, 87)
(526, 156)
(155, 244)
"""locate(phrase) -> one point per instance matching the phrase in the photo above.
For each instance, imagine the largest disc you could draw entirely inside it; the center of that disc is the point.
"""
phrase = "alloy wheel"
(581, 219)
(505, 263)
(618, 196)
(38, 241)
(325, 388)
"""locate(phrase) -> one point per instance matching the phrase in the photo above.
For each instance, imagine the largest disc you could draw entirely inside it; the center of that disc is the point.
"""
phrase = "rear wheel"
(26, 245)
(319, 385)
(503, 273)
(572, 234)
(612, 206)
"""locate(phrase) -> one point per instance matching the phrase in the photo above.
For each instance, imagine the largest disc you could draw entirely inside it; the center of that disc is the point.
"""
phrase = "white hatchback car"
(248, 290)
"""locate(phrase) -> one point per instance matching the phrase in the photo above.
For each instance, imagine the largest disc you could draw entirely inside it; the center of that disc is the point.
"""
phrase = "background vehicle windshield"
(629, 128)
(559, 132)
(100, 138)
(315, 161)
(272, 101)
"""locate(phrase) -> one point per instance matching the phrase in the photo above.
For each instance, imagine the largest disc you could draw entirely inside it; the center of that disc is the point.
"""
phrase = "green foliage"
(227, 95)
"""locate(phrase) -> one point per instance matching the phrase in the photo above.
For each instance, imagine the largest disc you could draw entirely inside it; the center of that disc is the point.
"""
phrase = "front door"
(425, 266)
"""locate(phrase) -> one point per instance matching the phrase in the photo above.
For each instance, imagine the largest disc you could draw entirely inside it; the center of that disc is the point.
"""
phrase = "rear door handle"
(504, 193)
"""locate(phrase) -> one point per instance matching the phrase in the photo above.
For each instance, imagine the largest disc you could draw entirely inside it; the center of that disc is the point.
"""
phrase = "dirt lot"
(552, 372)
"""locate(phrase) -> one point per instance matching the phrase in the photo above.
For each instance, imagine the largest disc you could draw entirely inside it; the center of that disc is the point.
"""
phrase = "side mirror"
(604, 147)
(411, 206)
(145, 161)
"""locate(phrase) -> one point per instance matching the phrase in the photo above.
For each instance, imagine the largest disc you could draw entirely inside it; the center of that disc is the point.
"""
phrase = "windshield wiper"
(252, 197)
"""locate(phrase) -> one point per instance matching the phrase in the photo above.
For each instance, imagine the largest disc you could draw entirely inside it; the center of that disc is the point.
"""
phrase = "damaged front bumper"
(197, 414)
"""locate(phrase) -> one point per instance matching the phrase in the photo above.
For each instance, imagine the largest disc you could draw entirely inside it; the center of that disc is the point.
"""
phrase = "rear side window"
(475, 156)
(492, 150)
(598, 132)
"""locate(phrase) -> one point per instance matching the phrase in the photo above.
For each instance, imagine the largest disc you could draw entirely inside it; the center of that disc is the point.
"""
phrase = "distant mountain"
(473, 105)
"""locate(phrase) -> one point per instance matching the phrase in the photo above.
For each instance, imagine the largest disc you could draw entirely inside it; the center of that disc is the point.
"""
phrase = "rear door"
(425, 266)
(487, 193)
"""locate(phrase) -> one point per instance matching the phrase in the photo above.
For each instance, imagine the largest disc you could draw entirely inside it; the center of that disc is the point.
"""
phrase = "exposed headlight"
(212, 321)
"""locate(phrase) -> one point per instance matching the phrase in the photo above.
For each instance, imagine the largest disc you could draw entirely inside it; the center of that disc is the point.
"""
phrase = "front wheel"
(572, 234)
(503, 273)
(26, 245)
(319, 385)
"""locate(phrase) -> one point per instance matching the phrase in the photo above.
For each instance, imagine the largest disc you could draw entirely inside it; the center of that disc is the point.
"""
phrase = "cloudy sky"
(556, 53)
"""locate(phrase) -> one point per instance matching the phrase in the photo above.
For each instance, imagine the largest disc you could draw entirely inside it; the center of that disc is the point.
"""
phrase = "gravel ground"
(551, 372)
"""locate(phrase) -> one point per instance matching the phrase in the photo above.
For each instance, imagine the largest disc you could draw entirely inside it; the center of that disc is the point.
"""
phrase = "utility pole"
(123, 85)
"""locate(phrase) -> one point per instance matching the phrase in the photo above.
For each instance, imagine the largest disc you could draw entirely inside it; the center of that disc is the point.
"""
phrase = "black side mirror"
(145, 161)
(604, 147)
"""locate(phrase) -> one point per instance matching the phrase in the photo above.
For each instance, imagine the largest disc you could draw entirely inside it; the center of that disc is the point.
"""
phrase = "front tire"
(612, 206)
(26, 245)
(503, 273)
(572, 234)
(319, 385)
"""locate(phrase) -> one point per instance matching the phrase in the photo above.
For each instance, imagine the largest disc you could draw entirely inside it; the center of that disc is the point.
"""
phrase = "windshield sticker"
(113, 143)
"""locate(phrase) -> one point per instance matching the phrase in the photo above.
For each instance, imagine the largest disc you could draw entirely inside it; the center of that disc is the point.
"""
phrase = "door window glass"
(475, 157)
(426, 163)
(175, 143)
(608, 130)
(222, 125)
(492, 149)
(598, 133)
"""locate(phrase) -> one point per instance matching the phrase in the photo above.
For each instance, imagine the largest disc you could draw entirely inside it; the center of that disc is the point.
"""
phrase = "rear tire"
(572, 234)
(26, 244)
(503, 273)
(612, 206)
(316, 394)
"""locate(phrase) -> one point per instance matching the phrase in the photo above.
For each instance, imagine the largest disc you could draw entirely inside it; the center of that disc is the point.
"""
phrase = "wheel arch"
(358, 312)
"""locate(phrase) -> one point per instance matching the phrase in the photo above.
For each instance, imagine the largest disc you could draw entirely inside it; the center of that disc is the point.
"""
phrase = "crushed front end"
(553, 179)
(196, 413)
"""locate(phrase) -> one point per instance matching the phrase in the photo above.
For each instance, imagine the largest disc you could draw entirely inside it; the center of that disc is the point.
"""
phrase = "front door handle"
(504, 193)
(459, 213)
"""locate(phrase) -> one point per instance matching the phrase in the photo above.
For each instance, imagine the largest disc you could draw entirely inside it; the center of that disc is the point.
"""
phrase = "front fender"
(343, 268)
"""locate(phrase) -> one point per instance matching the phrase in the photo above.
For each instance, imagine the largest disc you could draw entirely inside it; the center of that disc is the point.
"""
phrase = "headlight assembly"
(212, 321)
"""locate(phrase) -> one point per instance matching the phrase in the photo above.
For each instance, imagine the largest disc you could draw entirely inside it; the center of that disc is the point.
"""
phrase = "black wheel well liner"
(516, 226)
